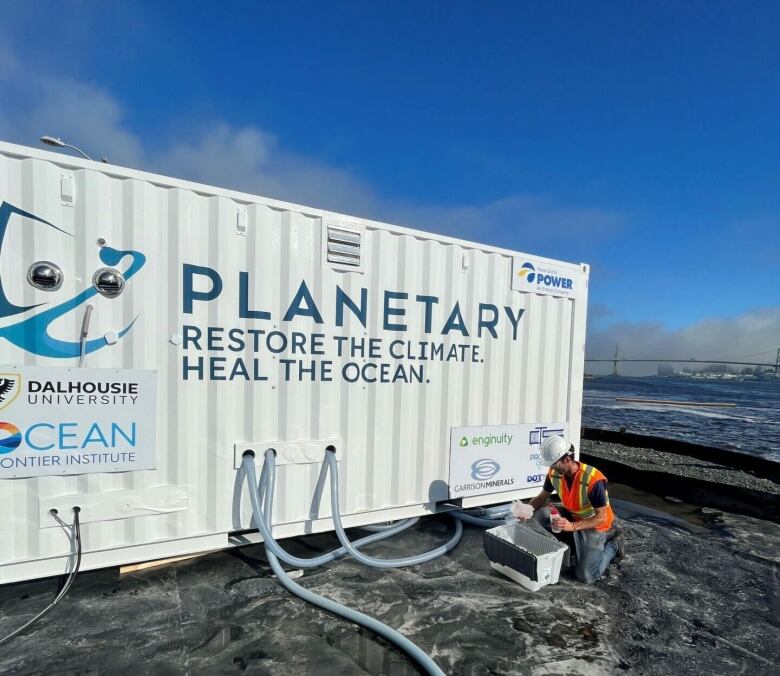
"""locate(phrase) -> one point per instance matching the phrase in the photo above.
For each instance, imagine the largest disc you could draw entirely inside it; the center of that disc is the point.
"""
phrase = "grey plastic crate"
(529, 558)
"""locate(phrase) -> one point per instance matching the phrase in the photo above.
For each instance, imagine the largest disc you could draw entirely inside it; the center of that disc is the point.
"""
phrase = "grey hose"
(377, 527)
(476, 520)
(266, 486)
(496, 510)
(84, 332)
(68, 583)
(332, 465)
(419, 656)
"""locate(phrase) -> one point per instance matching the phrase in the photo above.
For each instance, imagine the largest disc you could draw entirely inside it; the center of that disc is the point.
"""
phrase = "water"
(753, 426)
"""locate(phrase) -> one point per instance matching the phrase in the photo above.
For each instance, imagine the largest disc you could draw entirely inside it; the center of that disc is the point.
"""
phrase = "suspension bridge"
(617, 359)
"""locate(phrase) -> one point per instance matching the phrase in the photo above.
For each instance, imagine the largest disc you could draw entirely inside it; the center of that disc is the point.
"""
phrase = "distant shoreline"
(727, 377)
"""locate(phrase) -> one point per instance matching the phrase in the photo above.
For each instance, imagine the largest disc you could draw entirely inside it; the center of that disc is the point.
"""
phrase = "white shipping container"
(246, 322)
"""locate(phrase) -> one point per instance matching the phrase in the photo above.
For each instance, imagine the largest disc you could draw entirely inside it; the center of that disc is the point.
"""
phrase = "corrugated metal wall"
(395, 436)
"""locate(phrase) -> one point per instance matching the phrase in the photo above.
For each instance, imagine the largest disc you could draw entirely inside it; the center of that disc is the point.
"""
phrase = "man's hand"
(521, 511)
(598, 519)
(540, 500)
(563, 523)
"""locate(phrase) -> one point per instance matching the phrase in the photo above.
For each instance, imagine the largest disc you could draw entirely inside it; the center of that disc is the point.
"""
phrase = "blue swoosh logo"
(7, 308)
(32, 334)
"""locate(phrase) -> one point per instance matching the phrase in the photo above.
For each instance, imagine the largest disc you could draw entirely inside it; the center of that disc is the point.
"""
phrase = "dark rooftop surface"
(698, 594)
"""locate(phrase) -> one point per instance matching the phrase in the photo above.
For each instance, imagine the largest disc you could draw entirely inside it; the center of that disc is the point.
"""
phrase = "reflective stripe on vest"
(586, 472)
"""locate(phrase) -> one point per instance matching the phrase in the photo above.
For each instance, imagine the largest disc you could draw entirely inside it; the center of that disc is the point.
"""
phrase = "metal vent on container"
(45, 275)
(343, 247)
(108, 282)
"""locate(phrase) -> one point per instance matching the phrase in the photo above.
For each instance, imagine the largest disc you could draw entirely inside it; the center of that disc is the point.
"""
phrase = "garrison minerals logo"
(10, 386)
(10, 437)
(483, 475)
(484, 469)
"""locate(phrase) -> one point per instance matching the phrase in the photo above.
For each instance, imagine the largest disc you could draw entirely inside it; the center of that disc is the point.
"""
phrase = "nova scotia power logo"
(528, 272)
(541, 278)
(32, 332)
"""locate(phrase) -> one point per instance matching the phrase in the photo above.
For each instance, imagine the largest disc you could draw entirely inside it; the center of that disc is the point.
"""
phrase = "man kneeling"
(585, 513)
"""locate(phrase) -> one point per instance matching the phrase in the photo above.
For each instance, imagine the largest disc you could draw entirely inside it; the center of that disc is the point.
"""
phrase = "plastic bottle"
(554, 514)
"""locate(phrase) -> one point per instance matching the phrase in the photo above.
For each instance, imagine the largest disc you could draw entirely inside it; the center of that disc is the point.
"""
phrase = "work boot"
(618, 536)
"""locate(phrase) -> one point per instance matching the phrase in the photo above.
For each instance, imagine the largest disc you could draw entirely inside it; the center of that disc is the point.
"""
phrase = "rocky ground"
(681, 465)
(698, 594)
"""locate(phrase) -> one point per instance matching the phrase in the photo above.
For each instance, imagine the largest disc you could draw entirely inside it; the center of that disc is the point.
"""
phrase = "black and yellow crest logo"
(10, 387)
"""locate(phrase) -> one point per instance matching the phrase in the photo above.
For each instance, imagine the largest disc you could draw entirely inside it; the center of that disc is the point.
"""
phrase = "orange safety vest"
(575, 496)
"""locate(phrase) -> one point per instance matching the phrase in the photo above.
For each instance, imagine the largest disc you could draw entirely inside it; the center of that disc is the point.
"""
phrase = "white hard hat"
(554, 448)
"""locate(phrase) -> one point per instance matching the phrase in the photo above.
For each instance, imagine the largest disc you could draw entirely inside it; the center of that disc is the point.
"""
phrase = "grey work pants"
(593, 548)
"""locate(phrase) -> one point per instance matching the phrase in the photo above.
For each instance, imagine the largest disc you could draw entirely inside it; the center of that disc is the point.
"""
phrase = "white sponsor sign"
(498, 458)
(58, 421)
(533, 276)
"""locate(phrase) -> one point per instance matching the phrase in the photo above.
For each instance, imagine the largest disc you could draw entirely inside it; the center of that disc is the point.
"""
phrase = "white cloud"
(531, 221)
(253, 160)
(79, 110)
(753, 336)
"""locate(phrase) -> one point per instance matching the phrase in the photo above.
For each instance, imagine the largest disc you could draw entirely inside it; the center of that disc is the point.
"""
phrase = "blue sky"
(641, 137)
